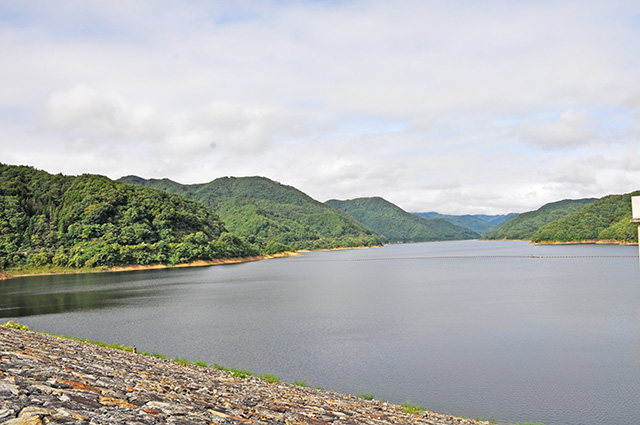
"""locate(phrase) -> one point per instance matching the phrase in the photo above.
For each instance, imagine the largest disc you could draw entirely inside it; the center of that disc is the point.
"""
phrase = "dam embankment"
(46, 379)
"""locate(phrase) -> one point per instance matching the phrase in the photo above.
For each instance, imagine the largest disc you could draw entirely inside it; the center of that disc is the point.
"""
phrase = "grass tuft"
(240, 373)
(270, 378)
(412, 409)
(366, 396)
(14, 325)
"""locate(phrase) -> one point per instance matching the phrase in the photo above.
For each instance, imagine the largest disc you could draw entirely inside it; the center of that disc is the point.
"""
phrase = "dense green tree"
(607, 219)
(525, 225)
(271, 216)
(92, 221)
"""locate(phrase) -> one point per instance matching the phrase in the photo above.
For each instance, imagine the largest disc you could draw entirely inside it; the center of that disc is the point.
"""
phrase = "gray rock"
(97, 385)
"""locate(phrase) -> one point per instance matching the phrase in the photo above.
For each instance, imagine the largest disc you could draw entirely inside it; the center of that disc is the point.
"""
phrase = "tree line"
(92, 221)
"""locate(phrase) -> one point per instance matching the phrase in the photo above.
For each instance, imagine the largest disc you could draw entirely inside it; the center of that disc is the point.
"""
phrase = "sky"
(460, 107)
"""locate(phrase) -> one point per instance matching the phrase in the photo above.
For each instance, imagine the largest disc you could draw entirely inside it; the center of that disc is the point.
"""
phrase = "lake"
(490, 329)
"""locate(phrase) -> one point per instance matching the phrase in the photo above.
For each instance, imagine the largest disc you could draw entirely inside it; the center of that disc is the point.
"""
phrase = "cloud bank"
(459, 107)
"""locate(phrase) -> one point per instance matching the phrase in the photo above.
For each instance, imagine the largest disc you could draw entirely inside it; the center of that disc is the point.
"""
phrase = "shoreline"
(585, 242)
(236, 260)
(137, 267)
(198, 263)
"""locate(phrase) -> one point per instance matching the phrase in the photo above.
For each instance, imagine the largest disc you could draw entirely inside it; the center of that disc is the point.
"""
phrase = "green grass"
(302, 383)
(412, 409)
(200, 363)
(270, 378)
(218, 366)
(13, 325)
(366, 396)
(240, 373)
(157, 355)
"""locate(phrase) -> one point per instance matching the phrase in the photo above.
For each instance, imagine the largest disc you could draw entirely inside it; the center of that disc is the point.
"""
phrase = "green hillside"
(89, 221)
(525, 225)
(479, 223)
(607, 219)
(398, 225)
(272, 216)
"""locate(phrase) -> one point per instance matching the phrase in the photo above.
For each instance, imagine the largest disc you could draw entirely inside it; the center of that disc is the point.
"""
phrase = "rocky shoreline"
(46, 379)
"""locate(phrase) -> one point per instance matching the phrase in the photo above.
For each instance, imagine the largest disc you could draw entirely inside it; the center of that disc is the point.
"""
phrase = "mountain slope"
(398, 225)
(525, 225)
(270, 215)
(479, 223)
(91, 221)
(607, 219)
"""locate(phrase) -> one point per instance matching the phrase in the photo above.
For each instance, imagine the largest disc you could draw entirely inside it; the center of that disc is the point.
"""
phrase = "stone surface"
(50, 380)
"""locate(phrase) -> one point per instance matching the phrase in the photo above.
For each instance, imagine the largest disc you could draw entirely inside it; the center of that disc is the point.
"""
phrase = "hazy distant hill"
(479, 223)
(607, 219)
(398, 225)
(525, 225)
(270, 215)
(91, 221)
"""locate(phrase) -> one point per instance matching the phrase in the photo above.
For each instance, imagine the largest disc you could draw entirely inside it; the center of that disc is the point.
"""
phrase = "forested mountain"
(607, 219)
(272, 216)
(525, 225)
(91, 221)
(398, 225)
(479, 223)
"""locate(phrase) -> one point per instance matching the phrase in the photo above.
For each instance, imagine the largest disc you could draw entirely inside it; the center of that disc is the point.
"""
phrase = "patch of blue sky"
(241, 11)
(229, 13)
(538, 117)
(511, 121)
(614, 118)
(605, 117)
(17, 116)
(12, 14)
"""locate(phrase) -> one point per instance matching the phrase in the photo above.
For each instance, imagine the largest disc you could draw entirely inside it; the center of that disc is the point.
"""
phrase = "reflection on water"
(40, 295)
(521, 332)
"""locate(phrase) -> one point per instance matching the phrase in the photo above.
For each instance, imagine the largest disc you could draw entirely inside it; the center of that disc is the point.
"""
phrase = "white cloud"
(86, 113)
(569, 130)
(450, 106)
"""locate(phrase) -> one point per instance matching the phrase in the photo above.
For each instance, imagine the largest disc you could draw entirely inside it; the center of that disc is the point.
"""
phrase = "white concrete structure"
(635, 209)
(635, 215)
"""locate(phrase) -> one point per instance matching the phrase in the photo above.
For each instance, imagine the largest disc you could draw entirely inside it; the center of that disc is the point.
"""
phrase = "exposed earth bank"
(199, 263)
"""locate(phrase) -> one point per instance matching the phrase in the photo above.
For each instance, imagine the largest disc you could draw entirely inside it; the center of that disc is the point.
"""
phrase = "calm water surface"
(507, 330)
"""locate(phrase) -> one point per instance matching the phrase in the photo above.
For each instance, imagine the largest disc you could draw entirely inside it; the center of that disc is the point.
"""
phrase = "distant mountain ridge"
(271, 216)
(479, 223)
(398, 225)
(526, 225)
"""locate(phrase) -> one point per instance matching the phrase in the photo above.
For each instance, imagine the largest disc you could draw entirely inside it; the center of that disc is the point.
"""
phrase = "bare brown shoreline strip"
(199, 263)
(45, 379)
